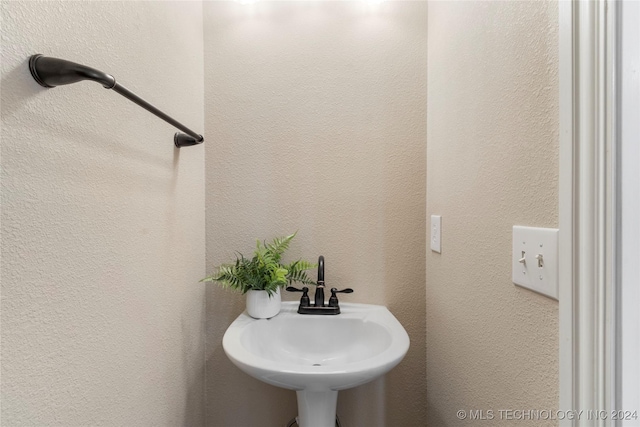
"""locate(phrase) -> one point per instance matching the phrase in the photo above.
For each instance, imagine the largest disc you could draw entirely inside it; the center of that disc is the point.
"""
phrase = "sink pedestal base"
(317, 408)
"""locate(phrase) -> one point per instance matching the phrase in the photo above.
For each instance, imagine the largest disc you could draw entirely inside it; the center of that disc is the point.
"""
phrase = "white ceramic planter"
(261, 306)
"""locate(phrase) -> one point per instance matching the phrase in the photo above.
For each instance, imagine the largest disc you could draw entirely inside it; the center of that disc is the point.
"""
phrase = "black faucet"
(318, 306)
(319, 299)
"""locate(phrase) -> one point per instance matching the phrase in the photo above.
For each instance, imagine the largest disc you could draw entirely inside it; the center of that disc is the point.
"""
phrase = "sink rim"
(375, 365)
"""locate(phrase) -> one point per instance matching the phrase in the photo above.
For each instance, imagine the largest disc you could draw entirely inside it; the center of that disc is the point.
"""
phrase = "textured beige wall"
(102, 219)
(316, 119)
(492, 163)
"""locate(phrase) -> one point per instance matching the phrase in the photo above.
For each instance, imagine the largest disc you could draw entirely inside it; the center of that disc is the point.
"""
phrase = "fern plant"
(263, 272)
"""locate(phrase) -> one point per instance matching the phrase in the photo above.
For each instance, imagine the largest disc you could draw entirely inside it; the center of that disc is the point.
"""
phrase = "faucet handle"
(333, 300)
(304, 300)
(292, 289)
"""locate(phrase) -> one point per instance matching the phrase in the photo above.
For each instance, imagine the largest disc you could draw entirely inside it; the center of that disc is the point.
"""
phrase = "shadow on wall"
(433, 417)
(374, 396)
(23, 86)
(194, 373)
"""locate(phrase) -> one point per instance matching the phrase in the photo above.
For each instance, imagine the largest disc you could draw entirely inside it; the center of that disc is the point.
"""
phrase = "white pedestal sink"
(317, 355)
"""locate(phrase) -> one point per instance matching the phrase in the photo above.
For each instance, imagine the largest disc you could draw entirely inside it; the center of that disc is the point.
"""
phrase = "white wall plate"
(535, 259)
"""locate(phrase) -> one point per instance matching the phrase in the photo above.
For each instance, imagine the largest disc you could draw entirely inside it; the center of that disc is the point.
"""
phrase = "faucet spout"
(319, 298)
(321, 270)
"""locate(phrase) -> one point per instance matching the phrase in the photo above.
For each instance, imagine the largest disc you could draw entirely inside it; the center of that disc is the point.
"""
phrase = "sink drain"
(316, 364)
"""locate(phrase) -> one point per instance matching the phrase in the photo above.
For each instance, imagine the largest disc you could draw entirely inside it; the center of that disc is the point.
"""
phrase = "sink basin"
(317, 355)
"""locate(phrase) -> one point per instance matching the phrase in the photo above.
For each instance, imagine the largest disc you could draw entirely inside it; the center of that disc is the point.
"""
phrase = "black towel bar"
(52, 72)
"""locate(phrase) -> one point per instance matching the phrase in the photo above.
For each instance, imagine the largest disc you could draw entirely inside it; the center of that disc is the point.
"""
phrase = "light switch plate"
(436, 227)
(535, 259)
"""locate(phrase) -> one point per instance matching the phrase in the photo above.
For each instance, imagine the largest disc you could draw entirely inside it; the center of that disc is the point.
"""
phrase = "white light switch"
(436, 222)
(535, 259)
